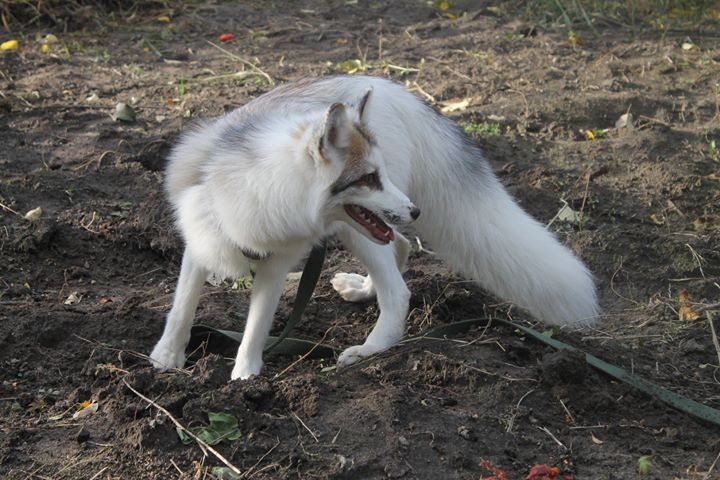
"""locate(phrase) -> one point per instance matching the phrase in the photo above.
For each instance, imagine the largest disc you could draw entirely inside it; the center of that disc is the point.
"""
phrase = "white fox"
(352, 157)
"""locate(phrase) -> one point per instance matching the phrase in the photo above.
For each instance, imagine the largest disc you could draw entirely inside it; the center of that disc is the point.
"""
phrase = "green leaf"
(482, 128)
(184, 437)
(224, 423)
(223, 426)
(552, 331)
(223, 473)
(644, 464)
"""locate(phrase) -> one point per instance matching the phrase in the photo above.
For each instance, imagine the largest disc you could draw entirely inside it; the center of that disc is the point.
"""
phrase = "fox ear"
(335, 128)
(362, 105)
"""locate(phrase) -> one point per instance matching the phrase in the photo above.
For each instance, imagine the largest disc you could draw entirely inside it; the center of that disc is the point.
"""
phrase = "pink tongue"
(377, 228)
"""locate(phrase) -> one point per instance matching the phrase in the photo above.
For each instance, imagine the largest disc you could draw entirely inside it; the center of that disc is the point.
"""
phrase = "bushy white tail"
(483, 234)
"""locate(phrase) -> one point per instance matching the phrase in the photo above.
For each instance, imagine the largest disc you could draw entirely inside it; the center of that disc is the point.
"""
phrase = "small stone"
(467, 433)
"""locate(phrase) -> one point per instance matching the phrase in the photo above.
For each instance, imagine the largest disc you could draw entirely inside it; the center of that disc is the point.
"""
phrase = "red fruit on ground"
(543, 472)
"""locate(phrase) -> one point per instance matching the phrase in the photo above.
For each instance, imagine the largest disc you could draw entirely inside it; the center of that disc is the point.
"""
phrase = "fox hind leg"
(354, 287)
(393, 296)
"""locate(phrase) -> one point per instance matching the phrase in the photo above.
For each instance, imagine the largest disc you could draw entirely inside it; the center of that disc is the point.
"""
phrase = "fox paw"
(353, 287)
(358, 352)
(245, 369)
(164, 358)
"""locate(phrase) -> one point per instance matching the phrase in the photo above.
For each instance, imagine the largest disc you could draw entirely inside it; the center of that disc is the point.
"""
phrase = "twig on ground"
(697, 258)
(182, 474)
(5, 207)
(422, 248)
(244, 62)
(654, 120)
(292, 365)
(567, 411)
(712, 467)
(203, 445)
(417, 88)
(716, 342)
(105, 346)
(249, 472)
(306, 427)
(237, 75)
(585, 196)
(99, 473)
(85, 164)
(511, 423)
(544, 429)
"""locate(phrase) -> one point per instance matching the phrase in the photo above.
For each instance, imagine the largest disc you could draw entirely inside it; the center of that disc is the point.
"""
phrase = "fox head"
(360, 192)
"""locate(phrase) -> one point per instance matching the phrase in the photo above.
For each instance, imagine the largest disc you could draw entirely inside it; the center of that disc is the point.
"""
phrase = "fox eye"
(371, 180)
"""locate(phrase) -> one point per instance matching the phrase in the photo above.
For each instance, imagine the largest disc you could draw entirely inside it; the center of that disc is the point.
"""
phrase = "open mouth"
(378, 229)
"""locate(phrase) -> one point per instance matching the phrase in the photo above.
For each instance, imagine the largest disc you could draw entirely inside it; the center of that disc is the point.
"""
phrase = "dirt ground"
(84, 289)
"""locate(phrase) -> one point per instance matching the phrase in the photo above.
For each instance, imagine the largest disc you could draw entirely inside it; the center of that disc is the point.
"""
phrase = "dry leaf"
(123, 113)
(574, 39)
(455, 105)
(85, 411)
(685, 312)
(34, 214)
(567, 214)
(595, 440)
(706, 223)
(589, 134)
(625, 121)
(657, 220)
(72, 299)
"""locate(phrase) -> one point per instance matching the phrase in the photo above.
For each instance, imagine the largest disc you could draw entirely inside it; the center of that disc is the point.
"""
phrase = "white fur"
(257, 180)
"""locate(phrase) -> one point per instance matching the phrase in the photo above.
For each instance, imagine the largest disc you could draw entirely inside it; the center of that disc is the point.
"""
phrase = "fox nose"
(414, 212)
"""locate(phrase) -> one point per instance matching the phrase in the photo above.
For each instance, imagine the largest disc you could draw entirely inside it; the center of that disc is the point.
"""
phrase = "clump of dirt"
(84, 289)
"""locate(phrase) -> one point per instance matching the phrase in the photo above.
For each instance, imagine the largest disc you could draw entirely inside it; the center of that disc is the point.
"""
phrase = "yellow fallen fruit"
(50, 38)
(9, 46)
(45, 48)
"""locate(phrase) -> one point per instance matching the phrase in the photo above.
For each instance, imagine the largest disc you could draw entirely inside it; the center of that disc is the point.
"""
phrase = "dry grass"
(653, 14)
(67, 14)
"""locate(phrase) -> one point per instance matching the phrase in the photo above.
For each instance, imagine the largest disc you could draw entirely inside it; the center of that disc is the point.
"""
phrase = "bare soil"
(648, 196)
